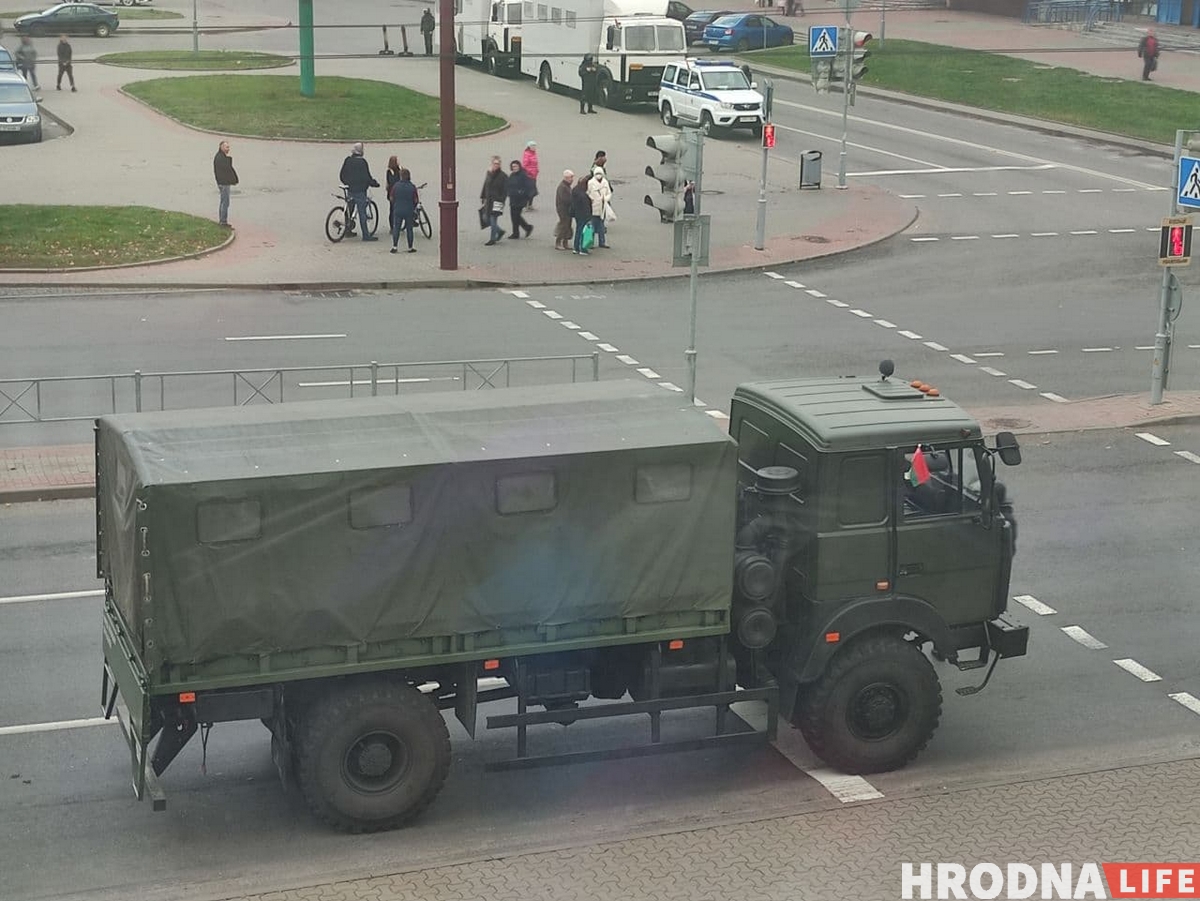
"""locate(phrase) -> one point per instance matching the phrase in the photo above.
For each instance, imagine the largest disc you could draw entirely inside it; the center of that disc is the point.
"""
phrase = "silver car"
(19, 113)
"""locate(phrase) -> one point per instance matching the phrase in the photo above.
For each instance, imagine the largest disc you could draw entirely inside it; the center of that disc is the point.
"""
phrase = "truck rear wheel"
(371, 755)
(875, 707)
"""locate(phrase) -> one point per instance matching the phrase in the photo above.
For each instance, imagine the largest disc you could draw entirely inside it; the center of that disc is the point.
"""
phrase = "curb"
(49, 493)
(187, 256)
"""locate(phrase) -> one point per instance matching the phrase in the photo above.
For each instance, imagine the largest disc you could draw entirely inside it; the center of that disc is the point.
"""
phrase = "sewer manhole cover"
(815, 239)
(1008, 423)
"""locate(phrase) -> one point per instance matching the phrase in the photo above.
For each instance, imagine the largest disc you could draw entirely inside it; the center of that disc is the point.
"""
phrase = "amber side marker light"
(833, 637)
(675, 644)
(491, 664)
(187, 697)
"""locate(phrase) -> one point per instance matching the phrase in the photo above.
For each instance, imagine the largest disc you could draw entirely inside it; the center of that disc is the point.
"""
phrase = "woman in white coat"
(600, 193)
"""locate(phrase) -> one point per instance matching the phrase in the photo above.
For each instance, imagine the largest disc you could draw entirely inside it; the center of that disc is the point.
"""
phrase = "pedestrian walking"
(581, 212)
(492, 195)
(529, 162)
(226, 177)
(589, 78)
(392, 176)
(356, 175)
(403, 197)
(26, 59)
(600, 193)
(64, 64)
(427, 26)
(601, 160)
(518, 188)
(1148, 51)
(563, 231)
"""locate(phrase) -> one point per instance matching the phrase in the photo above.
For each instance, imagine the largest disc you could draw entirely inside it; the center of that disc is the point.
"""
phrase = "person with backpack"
(1148, 51)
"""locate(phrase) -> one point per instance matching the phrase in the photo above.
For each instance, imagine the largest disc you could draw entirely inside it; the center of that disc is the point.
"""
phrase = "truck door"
(947, 551)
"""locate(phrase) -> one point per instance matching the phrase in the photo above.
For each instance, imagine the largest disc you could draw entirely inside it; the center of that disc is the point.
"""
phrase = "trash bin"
(810, 169)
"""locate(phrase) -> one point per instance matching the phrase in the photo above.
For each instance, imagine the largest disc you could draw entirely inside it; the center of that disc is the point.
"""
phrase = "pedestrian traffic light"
(861, 53)
(675, 169)
(1175, 241)
(768, 136)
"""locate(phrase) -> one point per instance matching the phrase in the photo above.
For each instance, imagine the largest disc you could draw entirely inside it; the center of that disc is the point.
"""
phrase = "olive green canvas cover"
(346, 523)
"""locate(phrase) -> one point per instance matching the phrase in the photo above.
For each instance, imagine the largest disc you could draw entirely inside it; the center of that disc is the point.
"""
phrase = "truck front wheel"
(371, 755)
(875, 707)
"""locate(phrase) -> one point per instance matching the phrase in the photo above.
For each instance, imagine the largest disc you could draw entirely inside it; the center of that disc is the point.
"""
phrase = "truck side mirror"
(609, 44)
(1008, 448)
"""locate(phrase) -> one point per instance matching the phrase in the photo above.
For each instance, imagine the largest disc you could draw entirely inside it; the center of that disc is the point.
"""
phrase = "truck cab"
(489, 32)
(711, 94)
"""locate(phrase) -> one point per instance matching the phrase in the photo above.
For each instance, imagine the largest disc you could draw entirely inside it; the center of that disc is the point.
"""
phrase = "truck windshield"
(725, 81)
(642, 38)
(514, 14)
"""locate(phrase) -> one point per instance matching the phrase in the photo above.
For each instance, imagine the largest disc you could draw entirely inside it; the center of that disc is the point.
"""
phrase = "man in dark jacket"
(589, 77)
(427, 26)
(581, 211)
(492, 195)
(25, 57)
(356, 175)
(404, 209)
(64, 63)
(1148, 51)
(563, 231)
(226, 178)
(520, 191)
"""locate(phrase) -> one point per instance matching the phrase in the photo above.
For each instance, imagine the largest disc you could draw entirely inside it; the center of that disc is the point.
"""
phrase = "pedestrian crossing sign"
(1189, 182)
(822, 41)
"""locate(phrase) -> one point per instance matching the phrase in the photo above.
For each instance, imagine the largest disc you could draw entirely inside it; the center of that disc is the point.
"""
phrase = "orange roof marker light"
(833, 637)
(675, 644)
(187, 697)
(491, 664)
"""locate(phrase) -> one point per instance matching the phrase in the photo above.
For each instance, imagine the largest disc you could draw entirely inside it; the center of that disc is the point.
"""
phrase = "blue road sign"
(1188, 185)
(822, 41)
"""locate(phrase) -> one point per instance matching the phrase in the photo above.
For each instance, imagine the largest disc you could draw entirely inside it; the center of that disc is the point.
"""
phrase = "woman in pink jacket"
(529, 162)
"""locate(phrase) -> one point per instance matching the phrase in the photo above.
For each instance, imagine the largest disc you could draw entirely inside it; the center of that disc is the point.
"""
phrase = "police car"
(712, 94)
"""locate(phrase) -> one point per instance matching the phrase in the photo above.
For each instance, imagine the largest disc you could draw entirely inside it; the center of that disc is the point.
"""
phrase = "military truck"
(344, 571)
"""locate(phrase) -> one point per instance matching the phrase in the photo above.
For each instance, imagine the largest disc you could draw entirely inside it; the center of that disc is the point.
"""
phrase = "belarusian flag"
(918, 473)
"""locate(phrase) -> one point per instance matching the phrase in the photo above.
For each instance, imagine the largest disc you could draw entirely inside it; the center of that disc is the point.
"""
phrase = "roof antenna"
(886, 368)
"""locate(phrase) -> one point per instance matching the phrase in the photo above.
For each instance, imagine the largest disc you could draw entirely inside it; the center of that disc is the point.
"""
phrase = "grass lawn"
(227, 60)
(65, 237)
(270, 106)
(996, 82)
(133, 12)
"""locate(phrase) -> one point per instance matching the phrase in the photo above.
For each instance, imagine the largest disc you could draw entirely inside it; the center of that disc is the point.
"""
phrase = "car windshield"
(727, 21)
(726, 81)
(15, 93)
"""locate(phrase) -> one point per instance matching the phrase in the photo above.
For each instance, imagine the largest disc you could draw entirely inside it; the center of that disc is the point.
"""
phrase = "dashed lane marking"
(1036, 353)
(1022, 384)
(1134, 668)
(990, 353)
(1191, 702)
(1086, 231)
(836, 303)
(962, 358)
(1010, 235)
(649, 373)
(1057, 398)
(1032, 603)
(1121, 231)
(911, 335)
(992, 371)
(933, 345)
(813, 292)
(536, 304)
(57, 596)
(793, 284)
(566, 323)
(863, 314)
(280, 337)
(628, 360)
(1151, 438)
(1084, 637)
(1095, 350)
(883, 323)
(774, 275)
(670, 386)
(1189, 456)
(587, 336)
(552, 314)
(607, 348)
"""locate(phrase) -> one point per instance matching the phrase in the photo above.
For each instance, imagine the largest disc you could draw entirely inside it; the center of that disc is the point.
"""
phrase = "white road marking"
(57, 596)
(1152, 228)
(911, 335)
(1057, 398)
(837, 303)
(950, 195)
(964, 237)
(1143, 347)
(608, 348)
(716, 414)
(813, 292)
(990, 371)
(537, 305)
(919, 240)
(1097, 190)
(962, 358)
(566, 323)
(845, 788)
(1043, 234)
(1096, 350)
(1189, 456)
(941, 170)
(911, 196)
(1193, 346)
(552, 314)
(1134, 668)
(521, 294)
(1191, 702)
(1054, 192)
(792, 284)
(628, 360)
(670, 386)
(1016, 193)
(773, 275)
(1006, 236)
(280, 337)
(879, 150)
(1086, 231)
(649, 373)
(1084, 637)
(1022, 384)
(863, 314)
(884, 323)
(1123, 190)
(933, 345)
(27, 728)
(1038, 353)
(990, 353)
(1153, 439)
(588, 336)
(1029, 601)
(415, 380)
(985, 194)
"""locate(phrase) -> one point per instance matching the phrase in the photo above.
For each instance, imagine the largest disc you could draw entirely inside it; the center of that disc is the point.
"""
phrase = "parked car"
(694, 25)
(677, 10)
(6, 61)
(19, 113)
(747, 31)
(69, 18)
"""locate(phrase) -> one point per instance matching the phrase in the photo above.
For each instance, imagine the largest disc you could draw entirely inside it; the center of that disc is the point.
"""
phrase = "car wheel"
(742, 46)
(37, 136)
(707, 125)
(605, 94)
(668, 118)
(102, 30)
(790, 40)
(545, 78)
(756, 131)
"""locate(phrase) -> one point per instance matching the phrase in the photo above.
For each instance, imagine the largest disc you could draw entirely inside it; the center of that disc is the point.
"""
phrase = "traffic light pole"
(760, 228)
(847, 80)
(1162, 336)
(689, 355)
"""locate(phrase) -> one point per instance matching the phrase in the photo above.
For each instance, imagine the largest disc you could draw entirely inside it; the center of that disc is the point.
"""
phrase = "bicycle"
(340, 221)
(420, 217)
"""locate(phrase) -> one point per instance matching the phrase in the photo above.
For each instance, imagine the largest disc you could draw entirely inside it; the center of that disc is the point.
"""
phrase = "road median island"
(271, 106)
(89, 237)
(993, 81)
(195, 61)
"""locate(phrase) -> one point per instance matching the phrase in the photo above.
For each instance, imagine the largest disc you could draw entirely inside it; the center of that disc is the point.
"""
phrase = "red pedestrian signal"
(769, 135)
(1175, 241)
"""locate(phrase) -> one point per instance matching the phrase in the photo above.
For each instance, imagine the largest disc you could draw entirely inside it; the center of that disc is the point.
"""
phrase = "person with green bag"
(581, 212)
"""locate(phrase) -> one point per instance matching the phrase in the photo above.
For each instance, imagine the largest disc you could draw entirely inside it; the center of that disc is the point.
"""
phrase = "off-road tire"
(346, 729)
(708, 126)
(884, 671)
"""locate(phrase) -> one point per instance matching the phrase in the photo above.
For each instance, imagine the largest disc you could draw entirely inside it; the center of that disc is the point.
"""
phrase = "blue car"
(747, 31)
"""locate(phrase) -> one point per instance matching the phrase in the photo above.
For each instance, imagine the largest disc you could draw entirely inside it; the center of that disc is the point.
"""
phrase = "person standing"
(581, 211)
(64, 64)
(356, 175)
(26, 59)
(589, 78)
(518, 188)
(562, 206)
(600, 193)
(403, 195)
(427, 26)
(495, 189)
(529, 162)
(1148, 51)
(226, 178)
(392, 176)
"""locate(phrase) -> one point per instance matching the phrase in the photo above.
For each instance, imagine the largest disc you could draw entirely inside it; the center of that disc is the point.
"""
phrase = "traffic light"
(1175, 241)
(768, 134)
(861, 53)
(673, 172)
